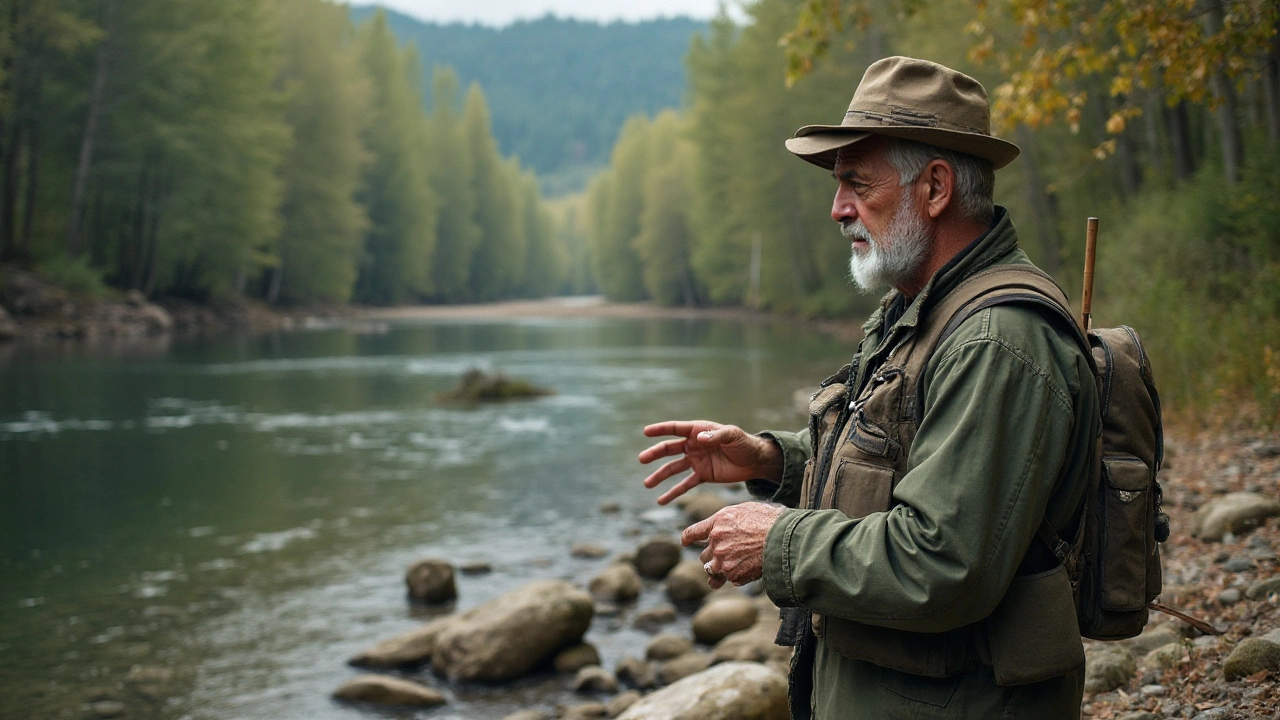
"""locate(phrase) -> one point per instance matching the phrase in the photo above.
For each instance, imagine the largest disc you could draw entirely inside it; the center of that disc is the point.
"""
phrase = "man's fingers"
(675, 467)
(663, 449)
(681, 428)
(697, 531)
(680, 488)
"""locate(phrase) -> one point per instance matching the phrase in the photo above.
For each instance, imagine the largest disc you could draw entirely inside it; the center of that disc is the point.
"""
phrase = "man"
(907, 562)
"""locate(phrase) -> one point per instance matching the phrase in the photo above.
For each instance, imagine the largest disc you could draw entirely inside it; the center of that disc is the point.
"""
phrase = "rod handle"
(1090, 251)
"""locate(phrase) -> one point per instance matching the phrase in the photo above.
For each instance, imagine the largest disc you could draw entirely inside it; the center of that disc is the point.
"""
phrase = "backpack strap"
(1004, 285)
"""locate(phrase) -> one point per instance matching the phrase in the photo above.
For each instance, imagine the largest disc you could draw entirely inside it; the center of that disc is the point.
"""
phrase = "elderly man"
(906, 539)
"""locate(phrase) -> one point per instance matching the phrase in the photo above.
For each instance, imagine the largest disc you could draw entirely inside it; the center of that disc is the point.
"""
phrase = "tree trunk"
(9, 193)
(277, 280)
(90, 134)
(1184, 159)
(1155, 149)
(1271, 88)
(1044, 210)
(1227, 112)
(33, 177)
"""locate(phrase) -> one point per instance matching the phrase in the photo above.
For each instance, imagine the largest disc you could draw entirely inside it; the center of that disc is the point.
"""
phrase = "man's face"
(883, 219)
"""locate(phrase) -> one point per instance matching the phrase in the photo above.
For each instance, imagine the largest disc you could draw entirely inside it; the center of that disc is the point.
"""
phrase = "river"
(234, 514)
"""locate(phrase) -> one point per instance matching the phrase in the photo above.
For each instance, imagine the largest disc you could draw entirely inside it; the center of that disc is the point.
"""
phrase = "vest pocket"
(859, 489)
(1032, 634)
(1130, 532)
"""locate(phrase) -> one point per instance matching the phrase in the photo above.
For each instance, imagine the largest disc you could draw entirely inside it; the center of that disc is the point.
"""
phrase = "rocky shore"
(1221, 566)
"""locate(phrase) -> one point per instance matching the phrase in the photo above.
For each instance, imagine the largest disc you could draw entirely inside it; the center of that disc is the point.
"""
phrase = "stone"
(576, 657)
(621, 702)
(699, 506)
(1164, 657)
(651, 619)
(107, 708)
(714, 621)
(529, 715)
(1273, 636)
(511, 635)
(585, 710)
(755, 644)
(1230, 596)
(616, 583)
(1108, 667)
(1263, 588)
(8, 328)
(139, 674)
(1218, 713)
(687, 582)
(731, 691)
(595, 679)
(656, 556)
(430, 580)
(682, 667)
(475, 567)
(1235, 513)
(156, 319)
(636, 673)
(385, 690)
(610, 507)
(1152, 637)
(1239, 564)
(1264, 449)
(1251, 656)
(1138, 715)
(667, 646)
(1154, 690)
(411, 648)
(587, 550)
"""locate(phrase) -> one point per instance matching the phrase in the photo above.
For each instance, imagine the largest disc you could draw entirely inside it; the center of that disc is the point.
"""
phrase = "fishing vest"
(863, 421)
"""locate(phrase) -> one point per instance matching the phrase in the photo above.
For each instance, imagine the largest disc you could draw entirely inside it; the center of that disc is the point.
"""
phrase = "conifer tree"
(458, 235)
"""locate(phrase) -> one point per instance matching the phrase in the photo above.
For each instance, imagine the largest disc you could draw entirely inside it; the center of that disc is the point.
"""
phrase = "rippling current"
(233, 515)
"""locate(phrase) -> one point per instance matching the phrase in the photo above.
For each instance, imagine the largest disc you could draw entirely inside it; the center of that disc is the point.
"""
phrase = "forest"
(270, 150)
(1161, 118)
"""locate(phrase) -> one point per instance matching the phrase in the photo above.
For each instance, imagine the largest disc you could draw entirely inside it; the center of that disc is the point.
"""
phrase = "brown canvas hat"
(912, 99)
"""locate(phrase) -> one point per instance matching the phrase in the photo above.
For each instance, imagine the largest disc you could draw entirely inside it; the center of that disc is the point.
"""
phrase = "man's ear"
(942, 183)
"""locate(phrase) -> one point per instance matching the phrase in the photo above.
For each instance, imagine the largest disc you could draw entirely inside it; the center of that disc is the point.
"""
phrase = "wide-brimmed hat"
(913, 99)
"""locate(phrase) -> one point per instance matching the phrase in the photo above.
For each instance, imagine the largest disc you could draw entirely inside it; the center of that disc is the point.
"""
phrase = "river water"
(233, 515)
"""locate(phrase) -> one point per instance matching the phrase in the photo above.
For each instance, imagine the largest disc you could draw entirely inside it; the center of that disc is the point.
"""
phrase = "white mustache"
(855, 230)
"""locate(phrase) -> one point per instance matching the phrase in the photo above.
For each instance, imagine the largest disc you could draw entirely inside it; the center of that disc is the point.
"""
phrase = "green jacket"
(1008, 422)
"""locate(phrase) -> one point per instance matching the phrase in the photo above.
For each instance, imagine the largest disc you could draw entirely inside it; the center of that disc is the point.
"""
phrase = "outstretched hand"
(715, 453)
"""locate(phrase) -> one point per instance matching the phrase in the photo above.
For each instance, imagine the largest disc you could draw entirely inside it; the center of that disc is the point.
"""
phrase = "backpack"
(1113, 561)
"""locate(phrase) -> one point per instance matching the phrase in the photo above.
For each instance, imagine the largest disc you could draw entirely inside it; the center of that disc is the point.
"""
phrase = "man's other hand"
(716, 453)
(735, 542)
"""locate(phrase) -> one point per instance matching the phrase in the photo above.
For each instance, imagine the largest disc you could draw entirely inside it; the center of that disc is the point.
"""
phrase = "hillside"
(559, 89)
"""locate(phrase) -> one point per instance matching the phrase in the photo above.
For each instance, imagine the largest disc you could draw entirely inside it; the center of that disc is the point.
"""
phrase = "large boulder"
(385, 690)
(731, 691)
(511, 635)
(687, 582)
(1251, 656)
(616, 583)
(411, 648)
(1235, 512)
(431, 580)
(656, 556)
(716, 620)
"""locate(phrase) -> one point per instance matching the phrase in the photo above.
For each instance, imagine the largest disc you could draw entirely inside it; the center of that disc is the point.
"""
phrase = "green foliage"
(616, 203)
(74, 276)
(453, 170)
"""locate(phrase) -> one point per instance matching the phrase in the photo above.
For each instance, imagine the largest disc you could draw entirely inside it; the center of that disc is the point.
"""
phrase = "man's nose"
(842, 207)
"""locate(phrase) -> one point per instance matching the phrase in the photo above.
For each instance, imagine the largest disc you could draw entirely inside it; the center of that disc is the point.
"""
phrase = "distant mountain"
(559, 90)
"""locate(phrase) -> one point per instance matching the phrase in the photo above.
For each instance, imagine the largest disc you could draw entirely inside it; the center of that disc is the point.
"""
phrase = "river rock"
(149, 674)
(411, 648)
(512, 634)
(651, 619)
(576, 657)
(1230, 596)
(667, 646)
(595, 679)
(636, 673)
(682, 667)
(582, 711)
(1164, 657)
(529, 715)
(687, 582)
(1263, 588)
(755, 644)
(385, 690)
(610, 507)
(1251, 656)
(699, 506)
(431, 580)
(1239, 564)
(1108, 667)
(616, 583)
(656, 556)
(714, 621)
(475, 567)
(587, 550)
(1152, 637)
(621, 702)
(107, 708)
(1235, 513)
(732, 691)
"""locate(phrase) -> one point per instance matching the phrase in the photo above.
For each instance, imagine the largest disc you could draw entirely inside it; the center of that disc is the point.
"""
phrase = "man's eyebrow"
(850, 175)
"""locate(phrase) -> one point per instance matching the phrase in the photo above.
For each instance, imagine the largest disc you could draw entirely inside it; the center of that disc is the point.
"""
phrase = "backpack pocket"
(1129, 517)
(1033, 634)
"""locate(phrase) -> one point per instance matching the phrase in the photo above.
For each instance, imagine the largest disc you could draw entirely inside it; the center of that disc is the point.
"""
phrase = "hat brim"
(819, 144)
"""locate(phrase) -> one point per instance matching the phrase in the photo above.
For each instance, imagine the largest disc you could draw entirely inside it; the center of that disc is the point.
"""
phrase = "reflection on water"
(208, 528)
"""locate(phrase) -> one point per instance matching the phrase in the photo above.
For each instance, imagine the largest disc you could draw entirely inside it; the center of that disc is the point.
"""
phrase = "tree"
(498, 263)
(453, 166)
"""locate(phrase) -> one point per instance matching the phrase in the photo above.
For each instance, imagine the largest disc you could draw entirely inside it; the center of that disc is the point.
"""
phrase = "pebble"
(1218, 713)
(1263, 588)
(1262, 553)
(610, 506)
(1154, 690)
(1206, 641)
(107, 708)
(1230, 596)
(1239, 564)
(477, 567)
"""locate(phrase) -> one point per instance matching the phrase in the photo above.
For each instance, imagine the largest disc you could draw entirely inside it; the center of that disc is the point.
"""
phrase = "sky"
(503, 12)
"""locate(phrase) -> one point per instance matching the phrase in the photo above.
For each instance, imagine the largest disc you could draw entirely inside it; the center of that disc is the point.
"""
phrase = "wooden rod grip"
(1090, 251)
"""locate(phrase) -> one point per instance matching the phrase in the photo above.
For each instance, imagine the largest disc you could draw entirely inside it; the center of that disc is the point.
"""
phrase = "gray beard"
(896, 257)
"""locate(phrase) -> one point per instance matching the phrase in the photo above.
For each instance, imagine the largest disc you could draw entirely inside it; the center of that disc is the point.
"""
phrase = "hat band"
(906, 116)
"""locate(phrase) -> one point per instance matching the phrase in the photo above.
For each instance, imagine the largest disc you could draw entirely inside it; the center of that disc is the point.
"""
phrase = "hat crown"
(907, 91)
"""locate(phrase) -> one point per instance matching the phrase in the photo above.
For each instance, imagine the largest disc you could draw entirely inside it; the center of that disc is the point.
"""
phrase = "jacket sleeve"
(999, 418)
(795, 453)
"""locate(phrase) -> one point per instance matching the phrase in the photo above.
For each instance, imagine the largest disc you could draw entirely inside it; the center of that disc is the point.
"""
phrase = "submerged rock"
(431, 580)
(411, 648)
(587, 550)
(732, 691)
(479, 386)
(384, 690)
(511, 635)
